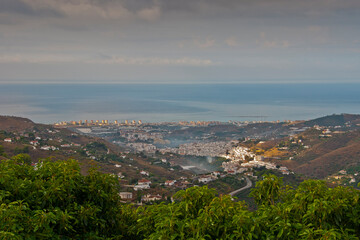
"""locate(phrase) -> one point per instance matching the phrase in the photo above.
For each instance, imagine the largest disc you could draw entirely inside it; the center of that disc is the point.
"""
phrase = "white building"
(141, 187)
(150, 198)
(126, 195)
(142, 184)
(170, 182)
(205, 179)
(144, 173)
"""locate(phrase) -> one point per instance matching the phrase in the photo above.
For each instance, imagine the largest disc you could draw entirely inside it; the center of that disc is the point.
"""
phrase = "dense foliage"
(54, 201)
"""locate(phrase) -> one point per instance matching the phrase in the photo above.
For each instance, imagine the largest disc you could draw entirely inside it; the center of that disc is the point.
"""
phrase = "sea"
(52, 103)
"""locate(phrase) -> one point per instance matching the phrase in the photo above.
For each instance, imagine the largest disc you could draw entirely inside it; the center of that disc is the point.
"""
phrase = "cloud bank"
(197, 40)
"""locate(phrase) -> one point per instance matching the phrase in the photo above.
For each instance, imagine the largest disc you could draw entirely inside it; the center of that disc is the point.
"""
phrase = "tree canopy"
(53, 200)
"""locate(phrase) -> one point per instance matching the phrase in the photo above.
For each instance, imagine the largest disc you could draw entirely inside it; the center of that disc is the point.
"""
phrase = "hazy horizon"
(49, 103)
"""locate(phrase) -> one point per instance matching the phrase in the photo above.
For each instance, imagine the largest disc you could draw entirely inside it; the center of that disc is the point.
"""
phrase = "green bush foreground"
(53, 200)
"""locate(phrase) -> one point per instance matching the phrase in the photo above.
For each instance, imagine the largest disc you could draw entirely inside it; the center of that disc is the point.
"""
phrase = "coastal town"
(175, 156)
(141, 185)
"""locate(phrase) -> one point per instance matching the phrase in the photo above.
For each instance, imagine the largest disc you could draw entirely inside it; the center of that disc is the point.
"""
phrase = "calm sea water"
(154, 103)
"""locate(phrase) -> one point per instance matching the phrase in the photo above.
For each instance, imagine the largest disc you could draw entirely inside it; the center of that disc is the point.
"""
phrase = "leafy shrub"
(54, 201)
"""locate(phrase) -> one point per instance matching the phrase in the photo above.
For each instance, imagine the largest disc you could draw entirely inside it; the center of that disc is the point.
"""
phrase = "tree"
(18, 150)
(1, 150)
(22, 158)
(55, 201)
(268, 190)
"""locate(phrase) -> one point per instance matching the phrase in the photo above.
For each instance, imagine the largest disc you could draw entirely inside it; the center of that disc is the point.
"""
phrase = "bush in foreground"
(54, 201)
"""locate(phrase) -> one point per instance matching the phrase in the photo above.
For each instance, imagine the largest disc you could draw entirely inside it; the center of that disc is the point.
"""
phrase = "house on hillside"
(150, 198)
(141, 187)
(142, 184)
(144, 173)
(35, 143)
(8, 140)
(170, 182)
(205, 179)
(284, 170)
(126, 195)
(47, 148)
(250, 174)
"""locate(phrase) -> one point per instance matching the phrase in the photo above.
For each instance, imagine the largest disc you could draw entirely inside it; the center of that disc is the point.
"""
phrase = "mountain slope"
(31, 138)
(8, 123)
(327, 156)
(334, 120)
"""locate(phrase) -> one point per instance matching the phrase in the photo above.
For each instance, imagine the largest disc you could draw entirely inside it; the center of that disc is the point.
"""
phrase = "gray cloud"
(23, 8)
(260, 8)
(112, 8)
(175, 40)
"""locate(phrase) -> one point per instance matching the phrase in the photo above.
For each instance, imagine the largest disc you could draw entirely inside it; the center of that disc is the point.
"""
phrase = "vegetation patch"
(53, 200)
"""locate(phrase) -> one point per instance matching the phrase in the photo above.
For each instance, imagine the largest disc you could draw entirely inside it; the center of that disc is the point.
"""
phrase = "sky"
(179, 41)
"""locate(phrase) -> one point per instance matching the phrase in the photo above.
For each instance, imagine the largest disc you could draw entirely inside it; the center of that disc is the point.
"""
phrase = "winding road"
(248, 185)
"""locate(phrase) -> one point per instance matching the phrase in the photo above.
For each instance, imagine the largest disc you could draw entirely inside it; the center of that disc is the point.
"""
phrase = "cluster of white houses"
(36, 142)
(142, 147)
(239, 154)
(239, 162)
(126, 196)
(212, 149)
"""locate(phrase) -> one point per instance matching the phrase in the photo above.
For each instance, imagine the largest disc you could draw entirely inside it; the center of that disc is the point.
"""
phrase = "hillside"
(8, 123)
(315, 151)
(326, 154)
(42, 141)
(330, 155)
(322, 148)
(333, 120)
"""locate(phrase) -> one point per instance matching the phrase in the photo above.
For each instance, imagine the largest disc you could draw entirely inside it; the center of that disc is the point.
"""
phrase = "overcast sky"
(179, 41)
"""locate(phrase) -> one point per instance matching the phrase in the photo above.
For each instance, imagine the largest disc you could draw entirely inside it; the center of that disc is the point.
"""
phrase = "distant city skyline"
(170, 41)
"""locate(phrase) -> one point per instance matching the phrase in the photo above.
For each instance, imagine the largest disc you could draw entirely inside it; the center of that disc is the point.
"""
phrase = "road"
(248, 185)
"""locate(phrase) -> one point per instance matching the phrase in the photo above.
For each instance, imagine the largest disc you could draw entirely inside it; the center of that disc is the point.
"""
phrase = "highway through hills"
(248, 185)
